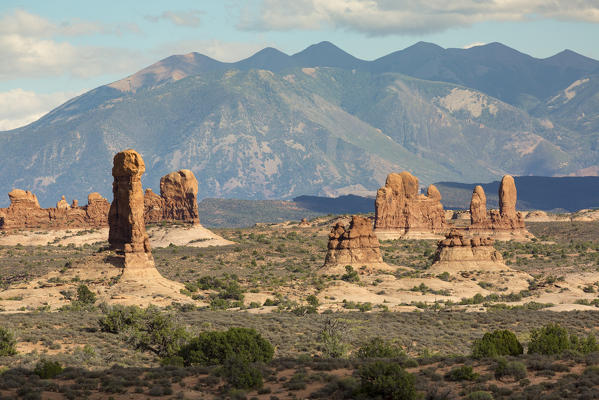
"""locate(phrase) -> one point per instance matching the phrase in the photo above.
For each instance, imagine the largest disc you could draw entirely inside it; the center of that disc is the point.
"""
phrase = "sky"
(54, 50)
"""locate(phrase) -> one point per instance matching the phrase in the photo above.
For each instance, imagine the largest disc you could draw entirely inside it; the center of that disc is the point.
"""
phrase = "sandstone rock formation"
(24, 212)
(400, 211)
(62, 204)
(478, 206)
(459, 253)
(178, 200)
(180, 193)
(354, 245)
(153, 207)
(126, 216)
(503, 224)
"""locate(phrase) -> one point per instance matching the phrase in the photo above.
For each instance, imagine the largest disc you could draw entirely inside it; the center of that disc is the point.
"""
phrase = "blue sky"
(54, 50)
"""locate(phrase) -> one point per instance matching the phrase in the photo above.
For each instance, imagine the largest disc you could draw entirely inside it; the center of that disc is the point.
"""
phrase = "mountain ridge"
(255, 132)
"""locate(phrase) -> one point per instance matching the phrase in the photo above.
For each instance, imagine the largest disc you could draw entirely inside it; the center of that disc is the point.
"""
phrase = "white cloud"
(383, 17)
(29, 48)
(19, 107)
(475, 44)
(181, 18)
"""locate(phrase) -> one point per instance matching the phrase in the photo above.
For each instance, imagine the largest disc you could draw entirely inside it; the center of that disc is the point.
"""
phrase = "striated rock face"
(503, 224)
(459, 253)
(180, 193)
(126, 217)
(400, 211)
(153, 207)
(178, 200)
(356, 244)
(478, 206)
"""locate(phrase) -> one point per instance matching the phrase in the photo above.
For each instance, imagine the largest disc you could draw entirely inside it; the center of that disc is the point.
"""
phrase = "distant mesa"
(353, 245)
(402, 212)
(503, 224)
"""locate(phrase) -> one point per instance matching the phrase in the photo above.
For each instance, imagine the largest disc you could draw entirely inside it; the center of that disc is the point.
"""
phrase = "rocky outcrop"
(24, 212)
(178, 200)
(126, 216)
(402, 212)
(503, 224)
(354, 245)
(459, 253)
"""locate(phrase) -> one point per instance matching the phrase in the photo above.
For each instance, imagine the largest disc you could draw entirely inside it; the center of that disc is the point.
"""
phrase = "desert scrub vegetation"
(215, 347)
(7, 343)
(497, 343)
(554, 339)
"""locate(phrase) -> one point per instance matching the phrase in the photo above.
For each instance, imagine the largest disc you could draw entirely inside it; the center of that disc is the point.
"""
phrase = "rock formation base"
(458, 253)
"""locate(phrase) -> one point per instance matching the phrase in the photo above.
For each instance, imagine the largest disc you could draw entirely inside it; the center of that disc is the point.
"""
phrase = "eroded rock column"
(126, 217)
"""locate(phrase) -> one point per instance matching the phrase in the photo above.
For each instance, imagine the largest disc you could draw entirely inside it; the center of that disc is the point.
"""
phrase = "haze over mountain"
(318, 122)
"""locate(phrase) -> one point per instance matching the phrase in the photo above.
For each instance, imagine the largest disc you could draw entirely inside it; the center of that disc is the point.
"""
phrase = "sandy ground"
(104, 275)
(194, 236)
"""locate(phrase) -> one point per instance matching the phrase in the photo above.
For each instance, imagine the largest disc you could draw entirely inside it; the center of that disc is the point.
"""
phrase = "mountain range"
(320, 122)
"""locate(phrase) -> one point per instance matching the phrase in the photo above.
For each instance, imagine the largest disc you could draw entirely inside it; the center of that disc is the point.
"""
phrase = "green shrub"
(351, 275)
(553, 339)
(47, 369)
(386, 380)
(462, 373)
(146, 329)
(550, 339)
(241, 374)
(331, 339)
(118, 318)
(584, 346)
(312, 300)
(214, 347)
(379, 348)
(497, 343)
(7, 343)
(85, 296)
(514, 369)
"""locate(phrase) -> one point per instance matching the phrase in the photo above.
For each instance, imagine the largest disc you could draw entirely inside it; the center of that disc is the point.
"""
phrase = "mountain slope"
(494, 69)
(260, 134)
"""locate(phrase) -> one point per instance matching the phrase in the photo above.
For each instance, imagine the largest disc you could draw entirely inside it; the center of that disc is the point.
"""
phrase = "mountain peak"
(326, 54)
